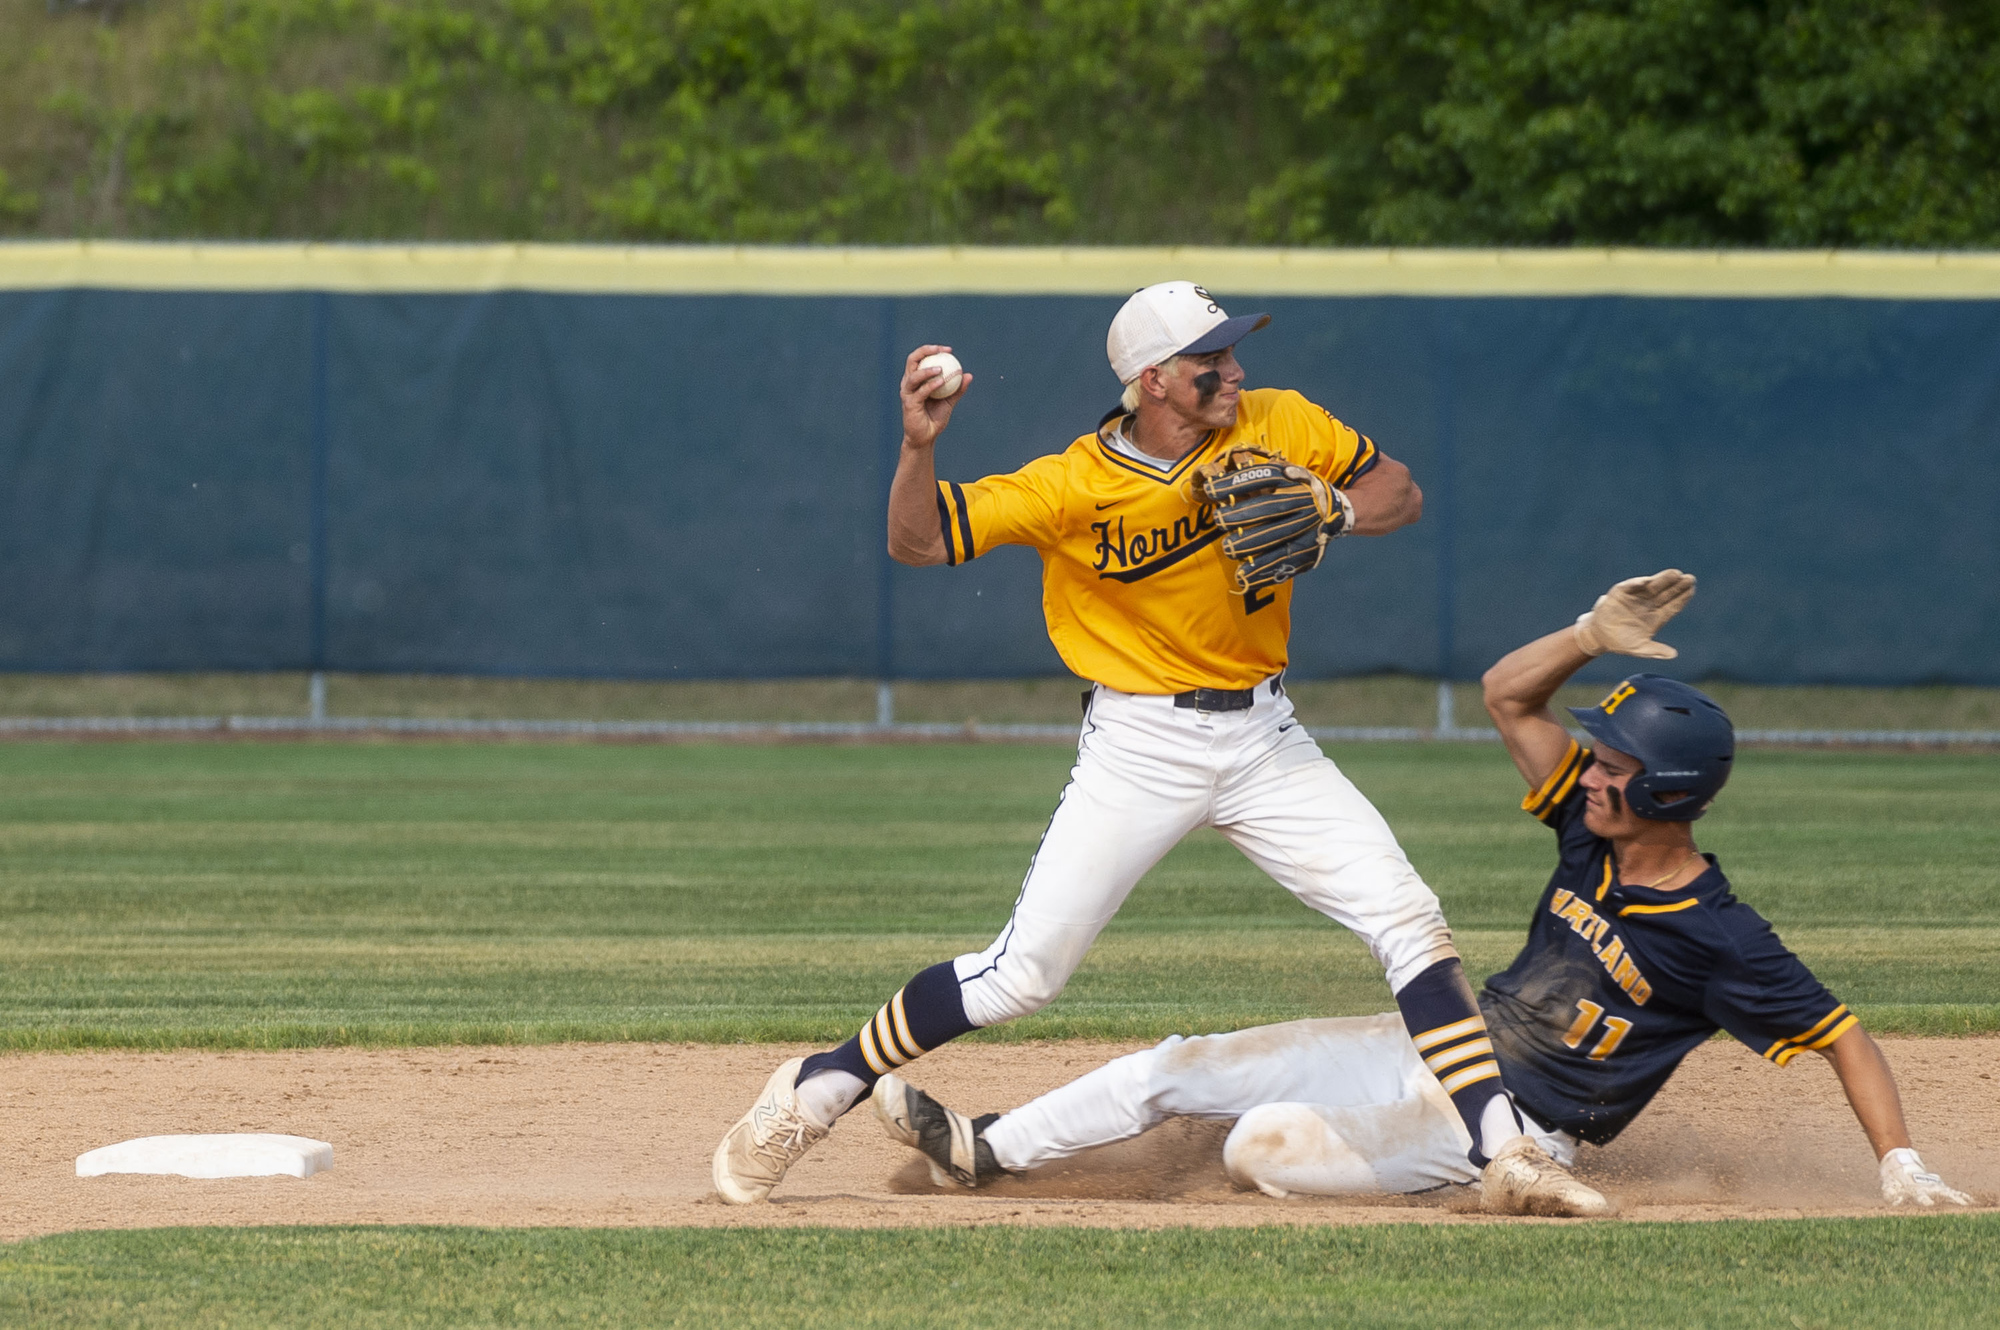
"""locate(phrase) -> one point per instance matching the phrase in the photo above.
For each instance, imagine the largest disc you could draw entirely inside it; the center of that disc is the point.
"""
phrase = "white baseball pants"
(1147, 773)
(1326, 1107)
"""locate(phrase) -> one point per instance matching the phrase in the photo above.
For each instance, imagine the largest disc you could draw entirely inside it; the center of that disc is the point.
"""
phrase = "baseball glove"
(1276, 516)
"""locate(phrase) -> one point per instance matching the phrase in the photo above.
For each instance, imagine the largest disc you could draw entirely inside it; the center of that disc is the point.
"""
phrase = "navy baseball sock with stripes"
(925, 1013)
(1444, 1022)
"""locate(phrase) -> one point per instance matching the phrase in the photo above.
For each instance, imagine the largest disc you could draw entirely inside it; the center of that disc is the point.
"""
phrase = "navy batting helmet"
(1680, 736)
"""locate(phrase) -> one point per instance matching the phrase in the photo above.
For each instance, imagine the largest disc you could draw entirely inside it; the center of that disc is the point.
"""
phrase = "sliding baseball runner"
(1637, 952)
(1169, 538)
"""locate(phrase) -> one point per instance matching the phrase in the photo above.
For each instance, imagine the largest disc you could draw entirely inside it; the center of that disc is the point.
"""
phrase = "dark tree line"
(1407, 122)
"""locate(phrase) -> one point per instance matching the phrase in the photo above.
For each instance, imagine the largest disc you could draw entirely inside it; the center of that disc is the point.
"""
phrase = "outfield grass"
(296, 894)
(1905, 1271)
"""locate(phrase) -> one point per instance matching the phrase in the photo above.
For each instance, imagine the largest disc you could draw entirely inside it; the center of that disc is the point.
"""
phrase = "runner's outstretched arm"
(1871, 1089)
(1517, 691)
(1871, 1092)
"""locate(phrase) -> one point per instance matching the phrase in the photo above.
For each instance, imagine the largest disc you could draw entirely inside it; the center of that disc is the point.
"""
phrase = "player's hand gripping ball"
(947, 382)
(1276, 515)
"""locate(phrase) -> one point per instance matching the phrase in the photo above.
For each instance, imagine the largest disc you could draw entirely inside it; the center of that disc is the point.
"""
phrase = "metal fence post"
(1445, 512)
(321, 443)
(891, 433)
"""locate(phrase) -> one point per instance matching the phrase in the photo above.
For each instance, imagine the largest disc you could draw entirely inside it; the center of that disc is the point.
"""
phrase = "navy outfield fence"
(671, 463)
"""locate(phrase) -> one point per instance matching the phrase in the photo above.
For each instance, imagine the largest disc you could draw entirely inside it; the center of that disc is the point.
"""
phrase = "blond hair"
(1130, 399)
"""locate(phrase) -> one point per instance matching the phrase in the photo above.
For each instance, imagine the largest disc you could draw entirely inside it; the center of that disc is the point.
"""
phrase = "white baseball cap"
(1168, 320)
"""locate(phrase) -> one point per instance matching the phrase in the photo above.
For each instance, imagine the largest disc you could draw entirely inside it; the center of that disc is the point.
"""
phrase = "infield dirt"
(620, 1134)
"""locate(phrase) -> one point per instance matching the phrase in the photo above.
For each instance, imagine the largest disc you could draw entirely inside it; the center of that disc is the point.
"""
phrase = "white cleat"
(1523, 1180)
(891, 1101)
(766, 1141)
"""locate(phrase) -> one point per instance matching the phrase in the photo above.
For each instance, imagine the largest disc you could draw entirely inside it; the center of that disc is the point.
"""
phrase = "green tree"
(1649, 122)
(1452, 122)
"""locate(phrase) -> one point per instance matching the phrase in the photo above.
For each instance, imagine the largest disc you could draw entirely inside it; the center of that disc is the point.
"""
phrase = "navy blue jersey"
(1618, 983)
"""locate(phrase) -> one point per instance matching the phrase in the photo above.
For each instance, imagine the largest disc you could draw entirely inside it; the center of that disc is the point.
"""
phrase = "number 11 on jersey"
(1615, 1030)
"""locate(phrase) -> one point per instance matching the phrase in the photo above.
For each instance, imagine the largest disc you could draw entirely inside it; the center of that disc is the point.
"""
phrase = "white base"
(232, 1155)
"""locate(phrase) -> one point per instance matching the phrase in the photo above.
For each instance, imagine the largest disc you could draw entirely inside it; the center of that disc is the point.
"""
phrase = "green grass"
(1905, 1271)
(256, 895)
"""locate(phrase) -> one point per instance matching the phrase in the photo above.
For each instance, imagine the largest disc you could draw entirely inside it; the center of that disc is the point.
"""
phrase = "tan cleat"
(1523, 1180)
(766, 1141)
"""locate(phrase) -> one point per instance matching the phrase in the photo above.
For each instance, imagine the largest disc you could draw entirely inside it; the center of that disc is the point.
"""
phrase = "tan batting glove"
(1905, 1182)
(1625, 618)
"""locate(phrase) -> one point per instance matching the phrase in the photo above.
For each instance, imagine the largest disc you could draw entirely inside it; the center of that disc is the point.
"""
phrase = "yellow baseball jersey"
(1135, 588)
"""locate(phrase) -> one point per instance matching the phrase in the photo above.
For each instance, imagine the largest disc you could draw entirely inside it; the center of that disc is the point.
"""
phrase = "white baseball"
(954, 373)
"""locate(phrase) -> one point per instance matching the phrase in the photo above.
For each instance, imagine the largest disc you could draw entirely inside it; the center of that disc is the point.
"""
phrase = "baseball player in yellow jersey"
(1186, 725)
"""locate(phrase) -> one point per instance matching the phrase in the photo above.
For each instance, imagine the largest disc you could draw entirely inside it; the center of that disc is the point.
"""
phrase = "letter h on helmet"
(1680, 737)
